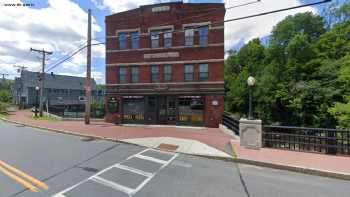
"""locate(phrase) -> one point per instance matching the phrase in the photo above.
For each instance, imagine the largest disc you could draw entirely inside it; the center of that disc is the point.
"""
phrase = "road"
(73, 166)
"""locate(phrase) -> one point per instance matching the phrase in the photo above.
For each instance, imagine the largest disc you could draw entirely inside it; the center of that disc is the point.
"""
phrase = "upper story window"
(122, 75)
(167, 73)
(168, 37)
(134, 74)
(189, 37)
(122, 40)
(203, 35)
(203, 72)
(135, 40)
(155, 39)
(155, 74)
(189, 72)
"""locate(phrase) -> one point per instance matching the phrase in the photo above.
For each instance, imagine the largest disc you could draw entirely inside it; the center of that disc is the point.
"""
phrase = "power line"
(61, 60)
(198, 26)
(276, 11)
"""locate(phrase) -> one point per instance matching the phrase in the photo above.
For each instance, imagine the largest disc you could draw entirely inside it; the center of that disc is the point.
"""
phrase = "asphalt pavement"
(73, 166)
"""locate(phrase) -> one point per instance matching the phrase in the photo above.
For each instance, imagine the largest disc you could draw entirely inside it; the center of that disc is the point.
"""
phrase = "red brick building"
(165, 64)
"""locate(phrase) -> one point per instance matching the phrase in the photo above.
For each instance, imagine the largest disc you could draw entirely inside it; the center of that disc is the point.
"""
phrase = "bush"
(3, 107)
(5, 96)
(341, 112)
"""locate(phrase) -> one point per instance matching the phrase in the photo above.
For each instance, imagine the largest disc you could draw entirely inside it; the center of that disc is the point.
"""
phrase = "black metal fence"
(64, 113)
(231, 122)
(320, 140)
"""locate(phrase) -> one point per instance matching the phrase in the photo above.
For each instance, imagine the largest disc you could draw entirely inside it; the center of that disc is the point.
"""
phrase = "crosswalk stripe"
(97, 179)
(151, 159)
(134, 170)
(112, 184)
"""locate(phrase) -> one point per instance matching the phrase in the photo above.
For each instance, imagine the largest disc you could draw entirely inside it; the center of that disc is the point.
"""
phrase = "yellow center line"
(19, 180)
(24, 175)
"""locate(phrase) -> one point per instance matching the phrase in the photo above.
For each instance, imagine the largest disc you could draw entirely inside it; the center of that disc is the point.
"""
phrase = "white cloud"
(61, 28)
(235, 32)
(245, 30)
(123, 5)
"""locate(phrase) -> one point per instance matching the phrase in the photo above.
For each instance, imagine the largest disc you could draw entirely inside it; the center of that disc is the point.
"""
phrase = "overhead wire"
(214, 23)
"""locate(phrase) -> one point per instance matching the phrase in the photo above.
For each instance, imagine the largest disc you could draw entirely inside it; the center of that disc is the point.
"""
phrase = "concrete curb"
(299, 169)
(324, 173)
(110, 139)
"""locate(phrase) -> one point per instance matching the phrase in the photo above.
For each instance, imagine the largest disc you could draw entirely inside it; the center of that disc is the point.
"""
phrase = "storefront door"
(151, 110)
(162, 110)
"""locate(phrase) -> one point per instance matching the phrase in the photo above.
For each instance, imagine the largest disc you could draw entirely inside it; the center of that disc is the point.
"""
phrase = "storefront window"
(191, 109)
(133, 108)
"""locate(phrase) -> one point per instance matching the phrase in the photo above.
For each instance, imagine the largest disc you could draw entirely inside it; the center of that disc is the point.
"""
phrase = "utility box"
(250, 132)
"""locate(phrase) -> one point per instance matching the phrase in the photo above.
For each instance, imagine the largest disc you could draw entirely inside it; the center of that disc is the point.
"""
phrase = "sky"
(60, 26)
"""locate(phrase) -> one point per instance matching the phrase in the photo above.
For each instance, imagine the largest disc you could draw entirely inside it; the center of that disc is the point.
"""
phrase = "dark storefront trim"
(160, 109)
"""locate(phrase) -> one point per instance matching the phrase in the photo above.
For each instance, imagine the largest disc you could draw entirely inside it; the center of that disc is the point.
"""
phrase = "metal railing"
(231, 122)
(320, 140)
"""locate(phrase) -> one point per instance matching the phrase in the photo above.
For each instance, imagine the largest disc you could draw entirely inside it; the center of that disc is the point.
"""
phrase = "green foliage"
(341, 111)
(5, 91)
(300, 75)
(5, 96)
(3, 107)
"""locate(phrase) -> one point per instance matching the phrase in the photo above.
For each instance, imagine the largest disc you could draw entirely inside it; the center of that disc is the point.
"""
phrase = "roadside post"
(36, 100)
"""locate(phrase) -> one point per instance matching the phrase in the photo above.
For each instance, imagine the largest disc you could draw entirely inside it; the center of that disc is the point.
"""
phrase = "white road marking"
(151, 159)
(134, 170)
(112, 184)
(97, 179)
(147, 180)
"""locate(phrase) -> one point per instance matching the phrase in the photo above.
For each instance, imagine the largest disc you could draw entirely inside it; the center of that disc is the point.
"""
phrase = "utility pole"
(43, 52)
(88, 72)
(3, 75)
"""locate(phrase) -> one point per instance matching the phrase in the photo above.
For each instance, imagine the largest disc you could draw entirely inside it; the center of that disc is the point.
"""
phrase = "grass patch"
(48, 118)
(3, 115)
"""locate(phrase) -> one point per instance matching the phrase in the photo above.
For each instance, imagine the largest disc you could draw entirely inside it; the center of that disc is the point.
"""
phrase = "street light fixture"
(251, 81)
(36, 101)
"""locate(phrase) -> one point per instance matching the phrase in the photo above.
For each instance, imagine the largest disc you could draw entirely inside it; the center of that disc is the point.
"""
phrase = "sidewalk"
(200, 141)
(311, 163)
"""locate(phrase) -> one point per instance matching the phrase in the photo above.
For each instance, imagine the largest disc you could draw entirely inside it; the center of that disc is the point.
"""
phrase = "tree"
(341, 111)
(307, 23)
(303, 75)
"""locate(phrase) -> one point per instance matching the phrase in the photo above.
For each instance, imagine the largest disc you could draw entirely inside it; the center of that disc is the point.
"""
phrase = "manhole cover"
(168, 147)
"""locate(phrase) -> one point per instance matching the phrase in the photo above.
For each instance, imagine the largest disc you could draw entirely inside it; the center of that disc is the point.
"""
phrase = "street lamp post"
(251, 83)
(36, 100)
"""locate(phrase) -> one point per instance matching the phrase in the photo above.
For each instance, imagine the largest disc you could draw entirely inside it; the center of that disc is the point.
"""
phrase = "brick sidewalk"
(210, 136)
(322, 162)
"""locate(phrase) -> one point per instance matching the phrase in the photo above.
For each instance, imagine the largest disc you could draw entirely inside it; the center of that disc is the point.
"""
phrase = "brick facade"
(195, 102)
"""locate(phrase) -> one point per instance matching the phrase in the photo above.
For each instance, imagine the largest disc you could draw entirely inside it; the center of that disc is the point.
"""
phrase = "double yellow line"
(22, 178)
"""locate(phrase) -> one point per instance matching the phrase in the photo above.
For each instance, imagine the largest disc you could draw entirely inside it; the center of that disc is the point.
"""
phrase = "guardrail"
(320, 140)
(231, 122)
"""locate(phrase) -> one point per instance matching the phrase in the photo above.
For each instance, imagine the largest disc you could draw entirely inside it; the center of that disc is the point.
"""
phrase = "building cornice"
(170, 83)
(162, 48)
(166, 62)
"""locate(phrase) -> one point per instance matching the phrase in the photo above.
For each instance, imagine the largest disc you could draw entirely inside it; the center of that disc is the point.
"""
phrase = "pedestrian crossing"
(126, 177)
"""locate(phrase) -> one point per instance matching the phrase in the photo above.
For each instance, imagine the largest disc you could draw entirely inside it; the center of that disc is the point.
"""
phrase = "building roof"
(30, 79)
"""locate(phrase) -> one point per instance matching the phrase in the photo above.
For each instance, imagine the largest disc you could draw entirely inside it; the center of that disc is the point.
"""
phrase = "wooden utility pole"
(42, 77)
(88, 73)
